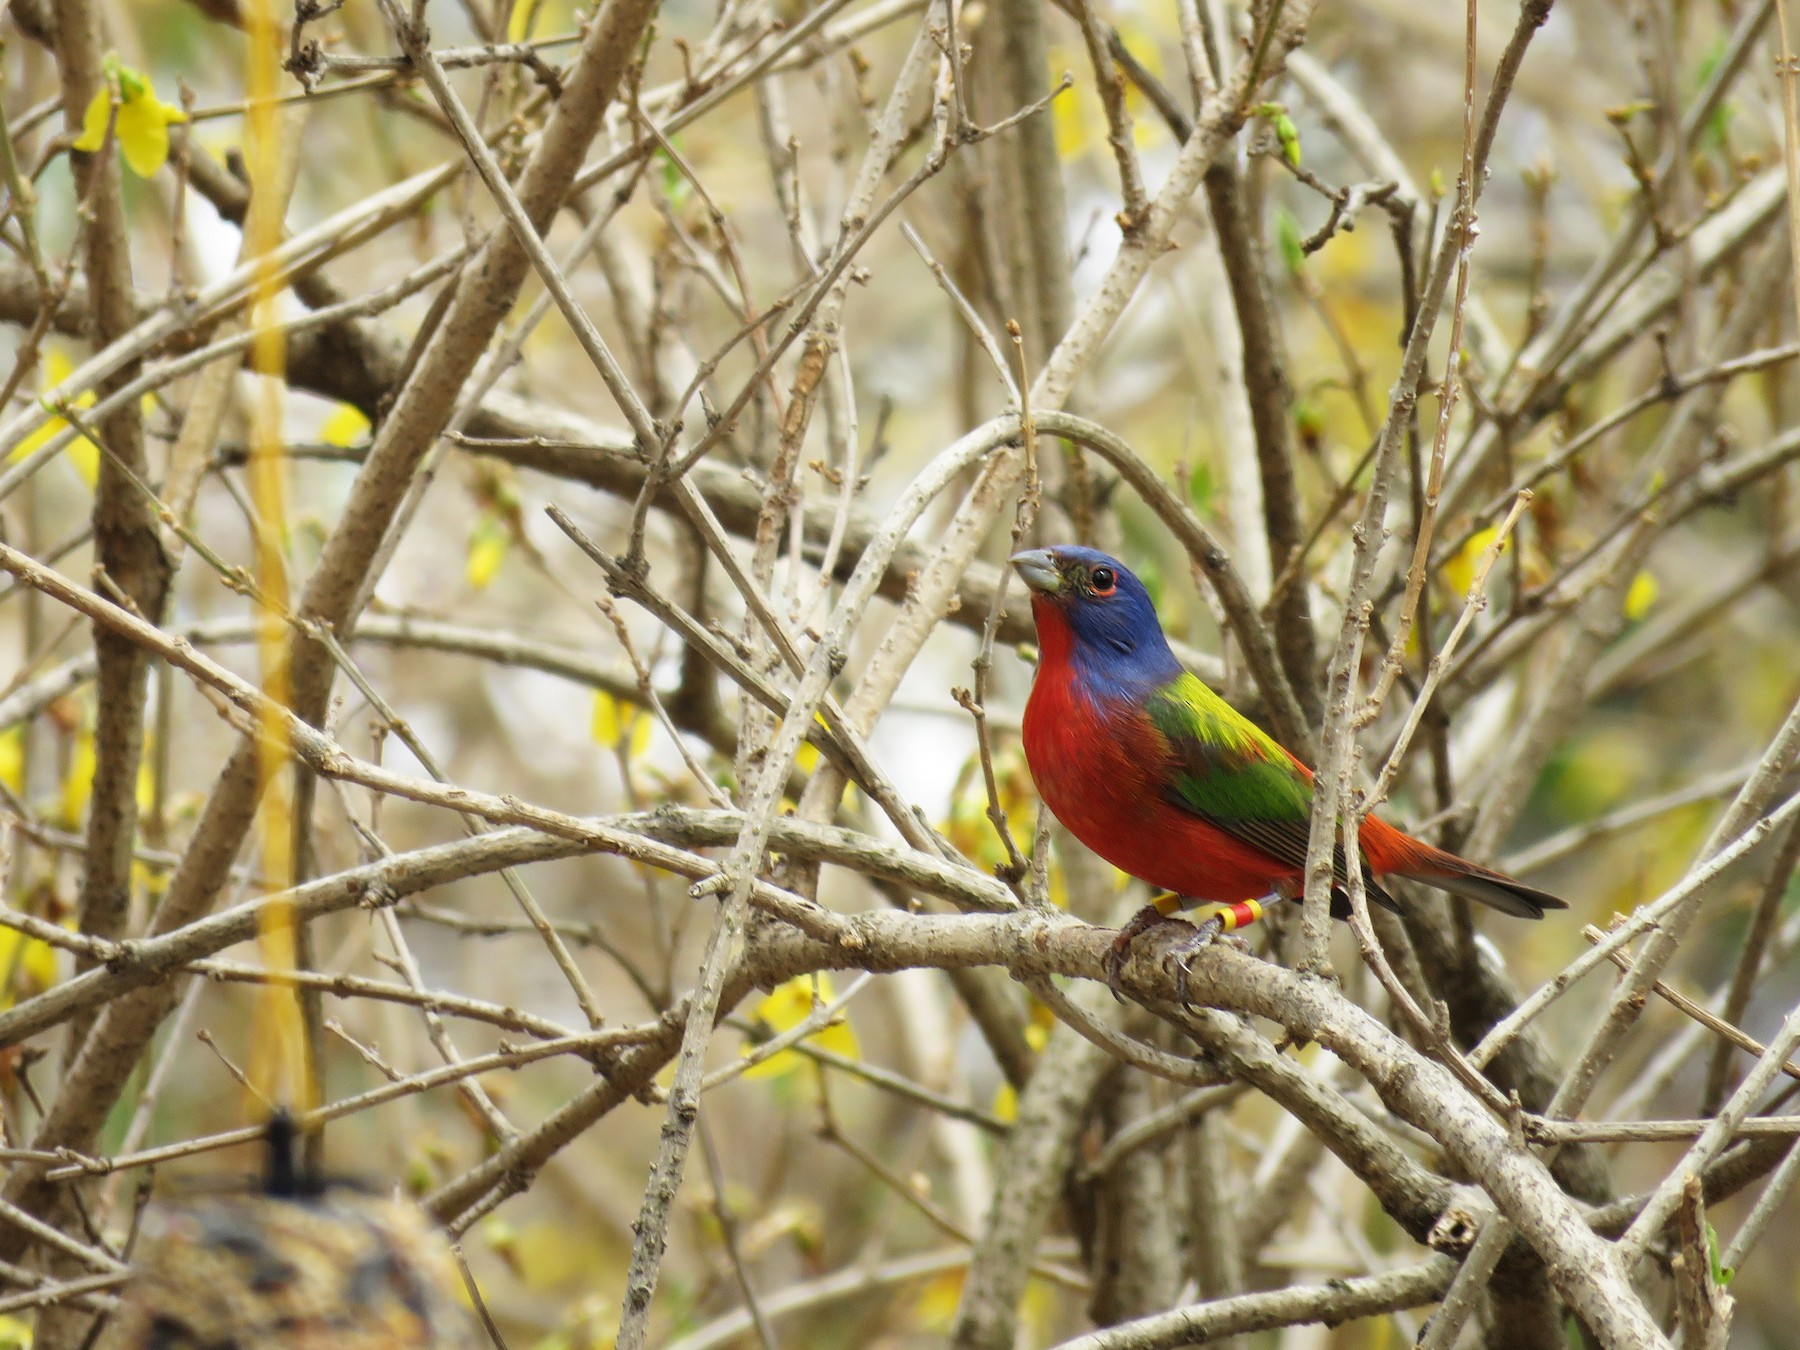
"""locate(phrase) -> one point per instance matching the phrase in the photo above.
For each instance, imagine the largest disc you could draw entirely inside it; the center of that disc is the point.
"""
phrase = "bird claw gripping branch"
(1162, 910)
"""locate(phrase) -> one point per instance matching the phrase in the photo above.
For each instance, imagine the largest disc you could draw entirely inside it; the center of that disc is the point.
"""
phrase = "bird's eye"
(1102, 581)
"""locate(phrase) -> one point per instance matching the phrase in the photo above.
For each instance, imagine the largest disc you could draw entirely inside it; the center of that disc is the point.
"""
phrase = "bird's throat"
(1056, 638)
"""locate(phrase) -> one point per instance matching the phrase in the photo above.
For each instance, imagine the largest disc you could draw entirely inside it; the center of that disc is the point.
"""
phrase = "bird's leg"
(1228, 919)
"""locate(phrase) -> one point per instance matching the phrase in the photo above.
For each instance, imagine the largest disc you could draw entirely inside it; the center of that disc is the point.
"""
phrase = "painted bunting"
(1165, 780)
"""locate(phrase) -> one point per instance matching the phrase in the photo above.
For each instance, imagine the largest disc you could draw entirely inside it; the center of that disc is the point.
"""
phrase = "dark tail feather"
(1447, 872)
(1372, 892)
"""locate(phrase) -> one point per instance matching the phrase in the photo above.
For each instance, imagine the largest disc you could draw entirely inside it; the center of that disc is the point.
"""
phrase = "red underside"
(1100, 770)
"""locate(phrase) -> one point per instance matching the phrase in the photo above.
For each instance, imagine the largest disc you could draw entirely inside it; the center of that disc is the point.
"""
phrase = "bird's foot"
(1150, 916)
(1201, 937)
(1160, 911)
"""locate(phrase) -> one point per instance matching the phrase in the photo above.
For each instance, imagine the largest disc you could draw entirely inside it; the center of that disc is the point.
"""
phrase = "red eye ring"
(1102, 581)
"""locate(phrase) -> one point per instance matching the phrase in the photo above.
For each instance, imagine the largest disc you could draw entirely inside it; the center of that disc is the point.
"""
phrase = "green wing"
(1225, 768)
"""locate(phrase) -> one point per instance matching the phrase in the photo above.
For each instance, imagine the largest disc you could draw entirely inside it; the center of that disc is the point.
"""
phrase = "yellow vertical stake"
(1789, 73)
(278, 1067)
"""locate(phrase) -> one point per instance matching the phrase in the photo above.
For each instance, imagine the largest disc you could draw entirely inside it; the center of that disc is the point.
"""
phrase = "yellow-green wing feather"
(1229, 770)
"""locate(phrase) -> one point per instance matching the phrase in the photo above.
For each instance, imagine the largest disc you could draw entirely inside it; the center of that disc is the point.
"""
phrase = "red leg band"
(1241, 915)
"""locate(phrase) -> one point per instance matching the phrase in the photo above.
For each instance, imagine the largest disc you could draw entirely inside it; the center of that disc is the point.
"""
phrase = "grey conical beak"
(1037, 569)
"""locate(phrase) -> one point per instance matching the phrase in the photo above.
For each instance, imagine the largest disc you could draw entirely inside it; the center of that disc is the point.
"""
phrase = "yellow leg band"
(1166, 904)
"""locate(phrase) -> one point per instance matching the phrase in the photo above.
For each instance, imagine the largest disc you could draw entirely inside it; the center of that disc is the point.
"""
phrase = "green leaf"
(1309, 421)
(1721, 1275)
(1719, 123)
(1289, 137)
(1151, 575)
(674, 182)
(1286, 133)
(1287, 239)
(1202, 486)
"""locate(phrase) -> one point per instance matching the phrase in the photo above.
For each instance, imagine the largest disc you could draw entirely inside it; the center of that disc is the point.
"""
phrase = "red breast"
(1101, 772)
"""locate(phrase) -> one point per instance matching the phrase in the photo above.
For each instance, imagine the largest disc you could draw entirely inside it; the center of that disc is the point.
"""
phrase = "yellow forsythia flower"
(974, 835)
(500, 523)
(142, 127)
(1076, 115)
(807, 758)
(78, 782)
(934, 1306)
(27, 967)
(1458, 570)
(82, 452)
(587, 1324)
(1068, 115)
(789, 1006)
(621, 724)
(1037, 1036)
(488, 545)
(520, 22)
(1640, 596)
(535, 18)
(345, 427)
(12, 758)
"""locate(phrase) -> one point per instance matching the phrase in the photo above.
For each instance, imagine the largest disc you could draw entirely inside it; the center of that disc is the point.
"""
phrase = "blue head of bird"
(1092, 610)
